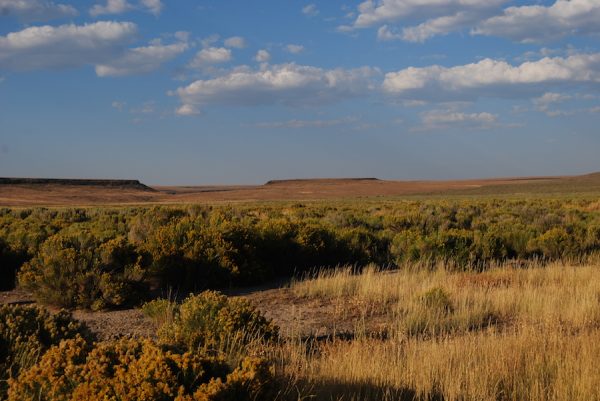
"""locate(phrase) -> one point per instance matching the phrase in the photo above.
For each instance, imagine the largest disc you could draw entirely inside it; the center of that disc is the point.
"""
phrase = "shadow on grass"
(331, 390)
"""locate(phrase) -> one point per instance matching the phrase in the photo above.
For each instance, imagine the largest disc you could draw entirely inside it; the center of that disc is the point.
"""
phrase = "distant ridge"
(129, 184)
(319, 180)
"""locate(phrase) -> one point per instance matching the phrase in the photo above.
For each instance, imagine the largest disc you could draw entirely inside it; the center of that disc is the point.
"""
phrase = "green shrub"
(26, 333)
(437, 300)
(81, 272)
(209, 320)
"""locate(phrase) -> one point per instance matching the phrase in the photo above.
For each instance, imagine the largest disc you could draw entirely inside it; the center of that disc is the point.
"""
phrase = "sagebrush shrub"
(82, 272)
(26, 332)
(209, 319)
(132, 370)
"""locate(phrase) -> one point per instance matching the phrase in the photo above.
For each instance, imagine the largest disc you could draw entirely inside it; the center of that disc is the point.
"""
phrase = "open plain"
(95, 193)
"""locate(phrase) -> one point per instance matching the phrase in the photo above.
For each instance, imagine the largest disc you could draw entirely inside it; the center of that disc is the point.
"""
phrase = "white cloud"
(310, 10)
(385, 33)
(439, 17)
(262, 56)
(64, 46)
(288, 84)
(594, 110)
(211, 55)
(111, 7)
(118, 105)
(187, 110)
(141, 59)
(548, 100)
(36, 10)
(236, 42)
(537, 23)
(294, 49)
(294, 124)
(440, 26)
(148, 107)
(443, 117)
(209, 40)
(440, 119)
(152, 6)
(384, 11)
(122, 6)
(492, 78)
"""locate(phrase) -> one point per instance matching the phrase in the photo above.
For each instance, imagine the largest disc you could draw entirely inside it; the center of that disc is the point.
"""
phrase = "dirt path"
(296, 316)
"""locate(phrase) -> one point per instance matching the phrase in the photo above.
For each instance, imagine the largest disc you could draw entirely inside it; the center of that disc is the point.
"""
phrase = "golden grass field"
(52, 194)
(507, 334)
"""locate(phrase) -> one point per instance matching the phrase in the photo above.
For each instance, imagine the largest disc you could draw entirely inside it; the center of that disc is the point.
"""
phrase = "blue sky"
(205, 92)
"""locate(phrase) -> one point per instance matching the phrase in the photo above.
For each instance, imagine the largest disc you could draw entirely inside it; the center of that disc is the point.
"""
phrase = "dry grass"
(541, 339)
(555, 295)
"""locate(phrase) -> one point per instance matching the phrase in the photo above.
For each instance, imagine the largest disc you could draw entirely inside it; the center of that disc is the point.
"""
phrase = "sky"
(182, 92)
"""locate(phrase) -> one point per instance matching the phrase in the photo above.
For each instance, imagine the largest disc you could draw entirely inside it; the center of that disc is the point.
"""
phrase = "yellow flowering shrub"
(26, 332)
(138, 370)
(209, 319)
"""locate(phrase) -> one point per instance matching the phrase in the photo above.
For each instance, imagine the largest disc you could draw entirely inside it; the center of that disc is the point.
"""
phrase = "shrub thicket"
(132, 370)
(26, 333)
(197, 248)
(82, 272)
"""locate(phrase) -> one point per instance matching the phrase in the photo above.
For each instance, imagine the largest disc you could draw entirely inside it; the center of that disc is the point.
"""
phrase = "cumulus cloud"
(373, 12)
(440, 26)
(64, 46)
(236, 42)
(439, 17)
(36, 10)
(141, 60)
(262, 56)
(111, 7)
(287, 84)
(539, 23)
(294, 49)
(310, 10)
(122, 6)
(492, 78)
(386, 33)
(152, 6)
(211, 55)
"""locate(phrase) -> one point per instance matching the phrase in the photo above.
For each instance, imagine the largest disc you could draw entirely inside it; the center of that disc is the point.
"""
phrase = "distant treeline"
(101, 258)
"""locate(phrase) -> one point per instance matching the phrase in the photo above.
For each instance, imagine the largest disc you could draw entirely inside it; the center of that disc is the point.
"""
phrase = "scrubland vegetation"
(105, 258)
(474, 299)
